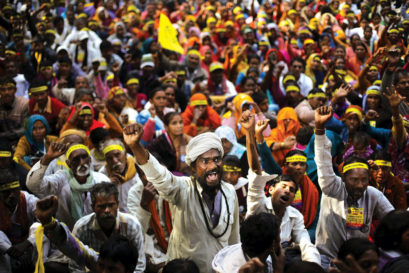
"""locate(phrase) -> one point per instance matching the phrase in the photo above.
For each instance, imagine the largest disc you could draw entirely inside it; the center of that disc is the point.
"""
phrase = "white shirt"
(190, 237)
(292, 227)
(304, 82)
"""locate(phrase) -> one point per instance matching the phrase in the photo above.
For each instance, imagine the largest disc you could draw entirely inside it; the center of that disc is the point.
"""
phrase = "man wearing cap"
(348, 204)
(17, 214)
(217, 82)
(71, 185)
(148, 79)
(121, 170)
(13, 111)
(41, 103)
(204, 208)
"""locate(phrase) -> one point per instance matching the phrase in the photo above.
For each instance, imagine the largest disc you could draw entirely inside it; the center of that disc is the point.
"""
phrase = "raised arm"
(248, 124)
(267, 160)
(330, 184)
(399, 133)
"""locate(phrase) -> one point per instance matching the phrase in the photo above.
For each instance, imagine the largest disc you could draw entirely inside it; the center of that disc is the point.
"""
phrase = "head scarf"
(95, 124)
(146, 46)
(201, 144)
(354, 110)
(308, 70)
(238, 103)
(28, 132)
(228, 133)
(116, 90)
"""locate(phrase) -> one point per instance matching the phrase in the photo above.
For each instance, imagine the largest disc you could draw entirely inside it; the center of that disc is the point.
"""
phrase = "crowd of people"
(204, 136)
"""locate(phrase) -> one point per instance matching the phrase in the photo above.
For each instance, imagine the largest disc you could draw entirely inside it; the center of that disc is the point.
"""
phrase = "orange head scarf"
(238, 103)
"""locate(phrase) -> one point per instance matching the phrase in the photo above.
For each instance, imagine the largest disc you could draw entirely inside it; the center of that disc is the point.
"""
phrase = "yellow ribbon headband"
(111, 148)
(198, 102)
(316, 95)
(373, 92)
(296, 158)
(355, 165)
(85, 111)
(227, 168)
(132, 81)
(39, 89)
(355, 111)
(5, 154)
(289, 78)
(10, 186)
(77, 147)
(292, 88)
(383, 163)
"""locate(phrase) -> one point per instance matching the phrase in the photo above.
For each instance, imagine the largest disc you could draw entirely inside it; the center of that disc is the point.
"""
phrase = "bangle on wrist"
(320, 131)
(51, 223)
(282, 145)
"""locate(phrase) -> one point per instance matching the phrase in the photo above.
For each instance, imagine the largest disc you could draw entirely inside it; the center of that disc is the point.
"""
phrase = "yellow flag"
(167, 35)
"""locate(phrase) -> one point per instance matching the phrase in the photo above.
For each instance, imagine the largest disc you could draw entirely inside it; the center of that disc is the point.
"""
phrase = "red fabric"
(95, 124)
(52, 117)
(210, 119)
(157, 228)
(21, 218)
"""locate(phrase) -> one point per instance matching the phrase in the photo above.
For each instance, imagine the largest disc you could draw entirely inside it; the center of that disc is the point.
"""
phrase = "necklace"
(205, 217)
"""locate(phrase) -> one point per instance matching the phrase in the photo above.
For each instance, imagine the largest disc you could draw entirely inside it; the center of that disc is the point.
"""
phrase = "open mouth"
(284, 199)
(212, 177)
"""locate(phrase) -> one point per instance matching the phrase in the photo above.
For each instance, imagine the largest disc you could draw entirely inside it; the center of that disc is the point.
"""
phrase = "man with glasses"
(204, 208)
(297, 68)
(13, 111)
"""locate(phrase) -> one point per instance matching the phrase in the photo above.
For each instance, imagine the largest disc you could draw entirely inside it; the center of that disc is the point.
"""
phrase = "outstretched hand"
(322, 115)
(46, 208)
(54, 151)
(132, 134)
(350, 266)
(393, 97)
(248, 121)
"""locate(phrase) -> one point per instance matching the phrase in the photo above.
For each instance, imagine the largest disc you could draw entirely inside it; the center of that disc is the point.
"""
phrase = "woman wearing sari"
(282, 138)
(33, 145)
(314, 69)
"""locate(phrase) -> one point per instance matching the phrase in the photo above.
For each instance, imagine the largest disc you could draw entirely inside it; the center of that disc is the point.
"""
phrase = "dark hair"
(65, 59)
(353, 159)
(355, 247)
(360, 137)
(152, 93)
(120, 249)
(305, 267)
(105, 189)
(295, 152)
(400, 73)
(388, 234)
(105, 45)
(38, 82)
(231, 160)
(341, 47)
(258, 233)
(398, 265)
(6, 80)
(381, 155)
(252, 69)
(181, 266)
(304, 135)
(46, 63)
(8, 176)
(368, 27)
(5, 145)
(298, 59)
(166, 86)
(360, 43)
(169, 116)
(97, 135)
(246, 78)
(316, 91)
(258, 97)
(252, 56)
(57, 20)
(83, 91)
(278, 179)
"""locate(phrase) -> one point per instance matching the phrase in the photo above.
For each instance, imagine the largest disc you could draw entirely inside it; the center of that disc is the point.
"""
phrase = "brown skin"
(227, 145)
(175, 127)
(159, 101)
(373, 101)
(231, 177)
(41, 98)
(84, 122)
(402, 87)
(78, 158)
(117, 160)
(296, 69)
(367, 263)
(316, 102)
(296, 170)
(39, 131)
(106, 210)
(7, 93)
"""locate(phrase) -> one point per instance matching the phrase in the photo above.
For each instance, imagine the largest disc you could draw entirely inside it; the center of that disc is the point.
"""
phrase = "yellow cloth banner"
(38, 236)
(167, 35)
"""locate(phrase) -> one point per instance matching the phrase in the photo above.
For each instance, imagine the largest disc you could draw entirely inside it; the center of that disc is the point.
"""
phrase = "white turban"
(201, 144)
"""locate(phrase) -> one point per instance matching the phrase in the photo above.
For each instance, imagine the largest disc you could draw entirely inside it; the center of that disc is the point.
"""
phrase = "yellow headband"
(341, 72)
(5, 154)
(292, 11)
(77, 147)
(132, 81)
(85, 111)
(377, 82)
(180, 72)
(393, 30)
(45, 67)
(194, 52)
(373, 92)
(227, 168)
(198, 102)
(304, 31)
(355, 165)
(288, 78)
(372, 67)
(11, 52)
(405, 123)
(111, 148)
(316, 95)
(355, 111)
(296, 158)
(383, 163)
(9, 186)
(292, 88)
(39, 89)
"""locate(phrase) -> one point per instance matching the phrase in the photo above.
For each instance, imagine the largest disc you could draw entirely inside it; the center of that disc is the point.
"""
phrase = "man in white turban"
(204, 209)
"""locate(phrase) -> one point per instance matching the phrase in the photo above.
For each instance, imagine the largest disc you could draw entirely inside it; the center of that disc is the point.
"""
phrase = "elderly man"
(204, 209)
(17, 213)
(348, 204)
(106, 222)
(121, 170)
(71, 185)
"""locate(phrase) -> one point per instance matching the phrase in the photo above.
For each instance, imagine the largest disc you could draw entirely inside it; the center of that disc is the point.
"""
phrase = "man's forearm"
(252, 155)
(140, 154)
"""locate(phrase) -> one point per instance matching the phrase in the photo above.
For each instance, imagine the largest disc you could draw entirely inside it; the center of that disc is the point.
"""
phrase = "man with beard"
(282, 189)
(13, 111)
(348, 204)
(204, 209)
(70, 185)
(121, 170)
(106, 222)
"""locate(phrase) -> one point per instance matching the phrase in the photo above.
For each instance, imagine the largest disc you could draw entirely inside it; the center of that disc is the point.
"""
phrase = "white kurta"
(57, 184)
(190, 237)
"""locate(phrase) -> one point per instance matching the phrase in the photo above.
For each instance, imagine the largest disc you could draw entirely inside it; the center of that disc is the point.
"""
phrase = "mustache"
(83, 170)
(117, 166)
